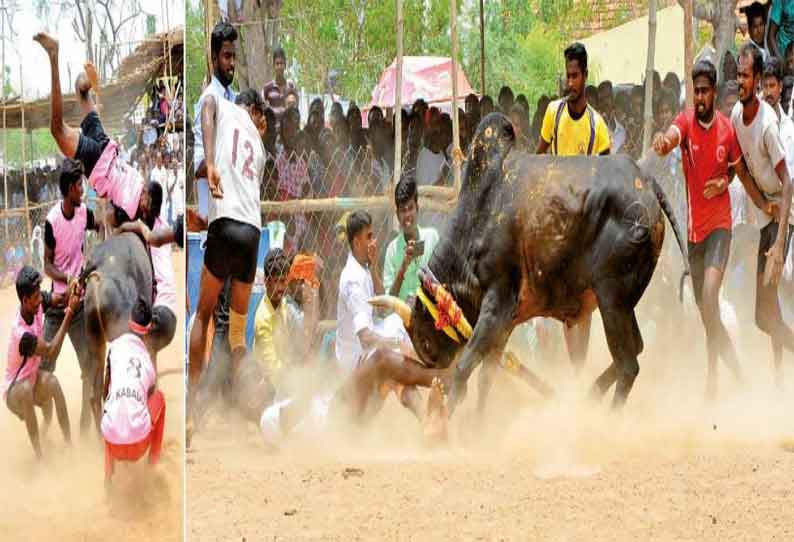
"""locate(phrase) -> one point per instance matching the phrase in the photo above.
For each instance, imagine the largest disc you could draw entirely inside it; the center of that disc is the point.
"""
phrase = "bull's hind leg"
(625, 343)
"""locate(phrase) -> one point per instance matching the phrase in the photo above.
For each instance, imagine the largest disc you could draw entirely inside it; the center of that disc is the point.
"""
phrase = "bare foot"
(49, 43)
(435, 426)
(93, 78)
(82, 85)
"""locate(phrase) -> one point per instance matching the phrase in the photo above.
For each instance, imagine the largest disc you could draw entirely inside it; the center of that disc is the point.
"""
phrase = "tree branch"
(704, 10)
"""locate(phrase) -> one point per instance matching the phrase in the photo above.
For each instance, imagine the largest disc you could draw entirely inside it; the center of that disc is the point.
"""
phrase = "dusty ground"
(63, 497)
(669, 467)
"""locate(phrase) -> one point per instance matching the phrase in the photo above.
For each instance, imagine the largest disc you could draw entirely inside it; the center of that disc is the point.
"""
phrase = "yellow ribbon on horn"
(431, 307)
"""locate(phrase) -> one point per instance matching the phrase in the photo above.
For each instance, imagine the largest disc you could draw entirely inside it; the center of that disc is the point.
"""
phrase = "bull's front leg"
(488, 340)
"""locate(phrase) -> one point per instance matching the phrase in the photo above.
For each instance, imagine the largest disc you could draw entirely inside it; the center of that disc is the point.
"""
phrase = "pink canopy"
(426, 77)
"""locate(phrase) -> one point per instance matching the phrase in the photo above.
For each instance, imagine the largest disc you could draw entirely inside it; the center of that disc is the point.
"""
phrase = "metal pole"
(688, 52)
(482, 49)
(24, 170)
(648, 128)
(457, 155)
(398, 136)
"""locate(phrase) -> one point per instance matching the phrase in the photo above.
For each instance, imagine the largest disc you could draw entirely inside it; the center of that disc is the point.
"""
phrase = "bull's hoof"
(437, 419)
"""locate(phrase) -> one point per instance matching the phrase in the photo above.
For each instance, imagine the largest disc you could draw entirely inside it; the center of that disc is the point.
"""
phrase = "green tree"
(195, 54)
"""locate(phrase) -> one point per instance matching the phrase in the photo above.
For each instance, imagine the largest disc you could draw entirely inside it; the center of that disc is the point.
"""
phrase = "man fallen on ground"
(133, 419)
(131, 198)
(26, 385)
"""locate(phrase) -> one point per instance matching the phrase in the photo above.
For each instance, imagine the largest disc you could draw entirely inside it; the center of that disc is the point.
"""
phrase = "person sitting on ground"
(129, 195)
(133, 419)
(26, 385)
(284, 333)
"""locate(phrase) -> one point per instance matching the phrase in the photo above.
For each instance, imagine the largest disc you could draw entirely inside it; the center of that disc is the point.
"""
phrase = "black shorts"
(768, 236)
(232, 248)
(92, 143)
(713, 251)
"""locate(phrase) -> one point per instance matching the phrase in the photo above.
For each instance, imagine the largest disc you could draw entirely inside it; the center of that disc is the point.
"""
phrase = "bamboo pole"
(648, 128)
(328, 205)
(688, 52)
(456, 152)
(398, 120)
(482, 49)
(24, 169)
(3, 94)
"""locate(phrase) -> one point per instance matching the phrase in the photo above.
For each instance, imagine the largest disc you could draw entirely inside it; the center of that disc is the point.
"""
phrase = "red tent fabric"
(426, 77)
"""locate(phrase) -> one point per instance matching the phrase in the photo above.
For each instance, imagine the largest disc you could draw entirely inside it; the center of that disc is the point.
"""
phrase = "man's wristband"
(68, 311)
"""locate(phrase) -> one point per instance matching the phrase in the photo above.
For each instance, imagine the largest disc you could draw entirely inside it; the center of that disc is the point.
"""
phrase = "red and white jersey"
(240, 159)
(126, 419)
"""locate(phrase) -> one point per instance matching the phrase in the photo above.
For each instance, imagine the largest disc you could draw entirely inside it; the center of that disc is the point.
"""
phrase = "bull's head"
(434, 321)
(492, 141)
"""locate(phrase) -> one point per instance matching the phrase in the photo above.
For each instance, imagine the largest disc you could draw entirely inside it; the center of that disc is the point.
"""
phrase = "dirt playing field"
(63, 497)
(670, 467)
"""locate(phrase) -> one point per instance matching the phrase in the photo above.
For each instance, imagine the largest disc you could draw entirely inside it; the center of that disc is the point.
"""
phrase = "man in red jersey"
(709, 151)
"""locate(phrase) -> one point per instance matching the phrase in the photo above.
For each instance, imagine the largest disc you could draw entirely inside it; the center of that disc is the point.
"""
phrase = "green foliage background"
(524, 40)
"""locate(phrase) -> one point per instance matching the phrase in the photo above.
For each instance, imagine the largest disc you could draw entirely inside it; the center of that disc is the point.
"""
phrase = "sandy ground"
(669, 467)
(63, 498)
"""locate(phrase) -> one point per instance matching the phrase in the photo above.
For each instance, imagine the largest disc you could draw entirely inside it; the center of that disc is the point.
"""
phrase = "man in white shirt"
(223, 48)
(235, 163)
(770, 189)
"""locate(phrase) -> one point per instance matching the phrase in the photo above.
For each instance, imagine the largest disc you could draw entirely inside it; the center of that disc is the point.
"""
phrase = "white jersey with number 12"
(240, 159)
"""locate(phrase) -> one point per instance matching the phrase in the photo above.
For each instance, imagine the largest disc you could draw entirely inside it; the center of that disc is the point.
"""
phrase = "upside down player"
(108, 175)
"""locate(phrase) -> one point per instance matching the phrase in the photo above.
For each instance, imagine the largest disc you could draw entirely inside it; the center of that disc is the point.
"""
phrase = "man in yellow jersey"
(571, 128)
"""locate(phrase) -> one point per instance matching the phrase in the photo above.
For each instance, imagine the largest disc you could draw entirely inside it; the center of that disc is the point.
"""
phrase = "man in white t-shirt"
(235, 163)
(770, 189)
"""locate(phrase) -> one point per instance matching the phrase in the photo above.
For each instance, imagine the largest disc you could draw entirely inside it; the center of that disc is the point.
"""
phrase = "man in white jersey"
(757, 129)
(235, 163)
(223, 54)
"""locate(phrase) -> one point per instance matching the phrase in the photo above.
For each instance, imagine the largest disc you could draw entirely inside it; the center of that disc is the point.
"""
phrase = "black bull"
(541, 236)
(115, 275)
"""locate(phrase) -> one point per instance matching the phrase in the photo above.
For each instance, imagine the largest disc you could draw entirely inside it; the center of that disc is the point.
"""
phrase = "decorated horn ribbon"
(440, 320)
(446, 312)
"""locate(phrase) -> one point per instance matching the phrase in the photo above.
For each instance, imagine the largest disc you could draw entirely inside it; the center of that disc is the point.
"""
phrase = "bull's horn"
(395, 304)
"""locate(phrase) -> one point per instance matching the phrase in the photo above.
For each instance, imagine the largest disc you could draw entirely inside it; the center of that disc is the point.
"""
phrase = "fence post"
(649, 69)
(398, 121)
(482, 48)
(5, 131)
(456, 152)
(24, 169)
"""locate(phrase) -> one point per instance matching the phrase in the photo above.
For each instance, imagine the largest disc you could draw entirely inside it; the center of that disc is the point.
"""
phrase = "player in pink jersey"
(133, 418)
(130, 197)
(64, 237)
(25, 385)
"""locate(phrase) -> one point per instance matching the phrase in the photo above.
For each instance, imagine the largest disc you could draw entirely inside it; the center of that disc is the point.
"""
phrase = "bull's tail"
(668, 211)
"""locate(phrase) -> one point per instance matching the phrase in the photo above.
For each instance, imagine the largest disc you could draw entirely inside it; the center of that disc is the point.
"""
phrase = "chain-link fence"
(307, 196)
